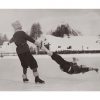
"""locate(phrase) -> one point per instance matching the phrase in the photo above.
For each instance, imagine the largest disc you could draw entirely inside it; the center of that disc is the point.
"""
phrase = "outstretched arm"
(46, 50)
(11, 40)
(30, 39)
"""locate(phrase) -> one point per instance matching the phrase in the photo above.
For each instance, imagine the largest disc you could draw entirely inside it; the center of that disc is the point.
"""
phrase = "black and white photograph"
(49, 49)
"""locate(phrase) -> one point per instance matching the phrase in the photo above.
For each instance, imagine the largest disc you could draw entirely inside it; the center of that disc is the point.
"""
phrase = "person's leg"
(86, 69)
(24, 66)
(94, 69)
(33, 65)
(25, 79)
(36, 75)
(25, 71)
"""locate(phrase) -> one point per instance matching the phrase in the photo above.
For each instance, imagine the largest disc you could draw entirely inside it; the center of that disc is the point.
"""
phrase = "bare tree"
(3, 38)
(36, 32)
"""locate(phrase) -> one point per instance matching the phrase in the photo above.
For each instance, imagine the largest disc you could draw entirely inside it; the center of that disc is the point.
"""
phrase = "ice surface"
(56, 80)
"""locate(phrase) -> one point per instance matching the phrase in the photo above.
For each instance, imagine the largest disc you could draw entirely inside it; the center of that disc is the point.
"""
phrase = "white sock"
(35, 74)
(24, 76)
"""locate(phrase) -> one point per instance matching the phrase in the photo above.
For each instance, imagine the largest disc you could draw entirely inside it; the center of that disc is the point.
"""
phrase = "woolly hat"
(16, 25)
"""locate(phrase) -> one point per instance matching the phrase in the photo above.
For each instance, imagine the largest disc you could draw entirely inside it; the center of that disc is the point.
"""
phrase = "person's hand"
(8, 43)
(37, 43)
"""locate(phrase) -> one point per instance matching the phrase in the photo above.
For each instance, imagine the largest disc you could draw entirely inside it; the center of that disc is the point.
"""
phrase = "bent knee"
(34, 69)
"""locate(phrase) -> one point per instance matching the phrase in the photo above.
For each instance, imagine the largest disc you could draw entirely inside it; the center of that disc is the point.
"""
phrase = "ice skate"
(38, 80)
(96, 70)
(25, 79)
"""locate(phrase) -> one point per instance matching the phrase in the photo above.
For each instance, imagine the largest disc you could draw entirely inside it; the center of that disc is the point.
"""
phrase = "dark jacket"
(20, 38)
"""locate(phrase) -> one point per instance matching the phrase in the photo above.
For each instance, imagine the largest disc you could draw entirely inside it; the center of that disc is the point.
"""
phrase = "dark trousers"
(27, 60)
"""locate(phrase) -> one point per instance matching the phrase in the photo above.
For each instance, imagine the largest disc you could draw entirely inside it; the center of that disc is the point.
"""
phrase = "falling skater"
(66, 66)
(20, 39)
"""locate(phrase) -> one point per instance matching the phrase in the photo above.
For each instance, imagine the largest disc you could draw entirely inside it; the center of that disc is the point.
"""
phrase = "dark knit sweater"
(20, 38)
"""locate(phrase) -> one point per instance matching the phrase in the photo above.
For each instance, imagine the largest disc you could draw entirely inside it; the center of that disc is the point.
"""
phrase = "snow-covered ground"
(56, 80)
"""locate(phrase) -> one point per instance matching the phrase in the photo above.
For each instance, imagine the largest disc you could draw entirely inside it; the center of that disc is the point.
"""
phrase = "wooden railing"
(7, 54)
(59, 52)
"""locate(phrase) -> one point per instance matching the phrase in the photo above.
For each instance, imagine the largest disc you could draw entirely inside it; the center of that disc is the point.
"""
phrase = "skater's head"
(17, 25)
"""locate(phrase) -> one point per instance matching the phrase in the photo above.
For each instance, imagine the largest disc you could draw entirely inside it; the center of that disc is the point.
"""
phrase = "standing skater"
(20, 39)
(66, 66)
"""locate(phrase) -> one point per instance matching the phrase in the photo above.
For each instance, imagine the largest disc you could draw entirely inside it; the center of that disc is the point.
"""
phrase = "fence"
(59, 52)
(7, 54)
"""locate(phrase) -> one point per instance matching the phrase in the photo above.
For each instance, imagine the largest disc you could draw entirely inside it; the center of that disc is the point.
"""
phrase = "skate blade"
(39, 83)
(25, 81)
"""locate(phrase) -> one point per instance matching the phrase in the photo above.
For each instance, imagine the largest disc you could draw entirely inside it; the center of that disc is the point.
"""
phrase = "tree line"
(61, 30)
(3, 38)
(36, 32)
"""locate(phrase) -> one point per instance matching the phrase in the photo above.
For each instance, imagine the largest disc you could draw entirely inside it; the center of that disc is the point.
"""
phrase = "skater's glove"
(8, 43)
(37, 43)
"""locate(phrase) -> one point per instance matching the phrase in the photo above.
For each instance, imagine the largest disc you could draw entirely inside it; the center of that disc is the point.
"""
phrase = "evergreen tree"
(35, 31)
(65, 30)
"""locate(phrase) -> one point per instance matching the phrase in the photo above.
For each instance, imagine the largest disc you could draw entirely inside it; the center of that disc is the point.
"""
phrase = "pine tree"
(65, 30)
(36, 32)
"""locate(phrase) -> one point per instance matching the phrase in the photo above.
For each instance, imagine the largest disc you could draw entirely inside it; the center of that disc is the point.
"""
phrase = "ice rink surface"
(55, 79)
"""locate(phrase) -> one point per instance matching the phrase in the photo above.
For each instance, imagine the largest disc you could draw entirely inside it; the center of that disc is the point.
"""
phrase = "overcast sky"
(86, 21)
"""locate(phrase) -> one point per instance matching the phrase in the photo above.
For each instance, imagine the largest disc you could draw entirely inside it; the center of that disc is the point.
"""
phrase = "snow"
(77, 42)
(56, 80)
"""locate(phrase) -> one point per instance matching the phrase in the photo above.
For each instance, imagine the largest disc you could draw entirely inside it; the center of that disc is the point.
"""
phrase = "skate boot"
(25, 79)
(38, 80)
(96, 70)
